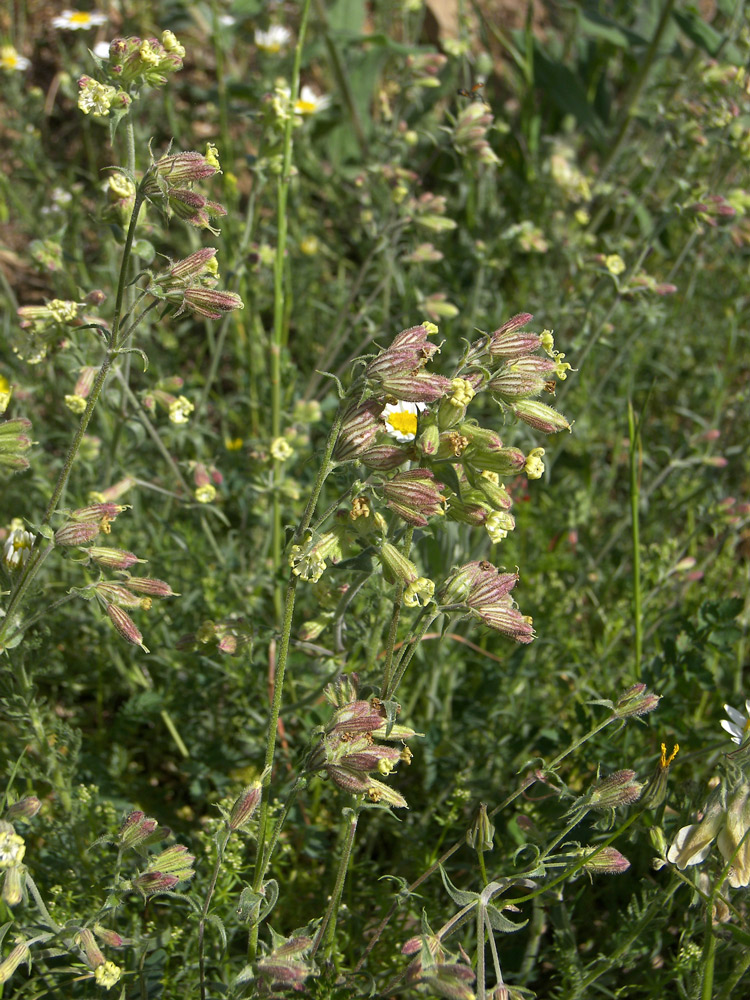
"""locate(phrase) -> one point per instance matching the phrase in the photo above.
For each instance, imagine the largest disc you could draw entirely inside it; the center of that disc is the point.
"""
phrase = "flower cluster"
(80, 530)
(127, 65)
(170, 180)
(43, 327)
(480, 590)
(347, 752)
(400, 412)
(191, 284)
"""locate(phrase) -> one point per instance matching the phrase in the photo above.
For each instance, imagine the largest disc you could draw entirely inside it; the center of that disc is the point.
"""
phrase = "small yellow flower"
(309, 246)
(281, 450)
(534, 467)
(205, 493)
(233, 444)
(498, 524)
(107, 975)
(75, 403)
(6, 391)
(614, 264)
(180, 409)
(463, 393)
(419, 593)
(12, 847)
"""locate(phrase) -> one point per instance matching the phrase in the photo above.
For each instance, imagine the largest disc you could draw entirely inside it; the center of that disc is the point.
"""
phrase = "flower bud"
(8, 966)
(125, 626)
(150, 586)
(396, 566)
(76, 534)
(540, 416)
(113, 558)
(635, 701)
(606, 861)
(617, 789)
(481, 833)
(26, 808)
(245, 806)
(358, 429)
(12, 893)
(149, 883)
(136, 828)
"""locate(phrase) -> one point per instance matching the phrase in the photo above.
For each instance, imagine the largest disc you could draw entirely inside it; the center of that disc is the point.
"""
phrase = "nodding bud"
(359, 426)
(507, 342)
(637, 700)
(113, 558)
(150, 586)
(606, 861)
(17, 955)
(136, 829)
(76, 534)
(539, 416)
(481, 833)
(25, 808)
(618, 789)
(245, 806)
(396, 566)
(150, 883)
(125, 626)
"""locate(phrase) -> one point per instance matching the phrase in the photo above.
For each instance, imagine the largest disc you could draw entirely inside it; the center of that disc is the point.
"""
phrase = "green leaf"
(565, 90)
(219, 925)
(699, 32)
(500, 923)
(458, 896)
(598, 26)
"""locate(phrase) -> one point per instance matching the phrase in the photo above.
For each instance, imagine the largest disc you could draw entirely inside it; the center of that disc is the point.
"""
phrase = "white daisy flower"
(75, 20)
(309, 103)
(12, 61)
(274, 40)
(227, 20)
(101, 49)
(401, 420)
(738, 723)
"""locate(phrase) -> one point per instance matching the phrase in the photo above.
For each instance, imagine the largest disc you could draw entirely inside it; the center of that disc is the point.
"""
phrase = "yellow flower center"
(80, 17)
(404, 423)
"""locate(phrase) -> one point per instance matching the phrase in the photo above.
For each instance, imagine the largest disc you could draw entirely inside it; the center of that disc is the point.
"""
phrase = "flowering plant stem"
(279, 299)
(327, 929)
(221, 846)
(410, 647)
(395, 615)
(262, 857)
(460, 843)
(634, 433)
(115, 344)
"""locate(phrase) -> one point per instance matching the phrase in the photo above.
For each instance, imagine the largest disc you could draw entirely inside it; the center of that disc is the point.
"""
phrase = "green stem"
(327, 929)
(408, 652)
(395, 615)
(709, 956)
(279, 302)
(325, 468)
(460, 843)
(204, 912)
(635, 442)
